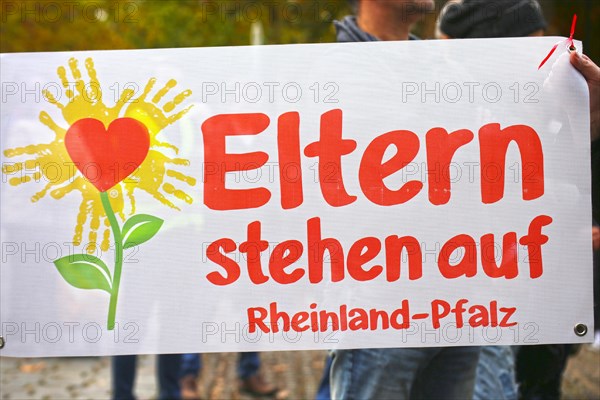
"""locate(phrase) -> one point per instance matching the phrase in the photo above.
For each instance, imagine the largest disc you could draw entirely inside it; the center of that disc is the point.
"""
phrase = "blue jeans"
(406, 373)
(123, 376)
(324, 391)
(248, 364)
(496, 374)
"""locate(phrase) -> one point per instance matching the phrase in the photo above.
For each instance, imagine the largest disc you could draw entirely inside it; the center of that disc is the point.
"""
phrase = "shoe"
(189, 388)
(257, 386)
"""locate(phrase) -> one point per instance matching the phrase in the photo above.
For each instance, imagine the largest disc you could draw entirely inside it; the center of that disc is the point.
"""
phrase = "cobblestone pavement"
(297, 372)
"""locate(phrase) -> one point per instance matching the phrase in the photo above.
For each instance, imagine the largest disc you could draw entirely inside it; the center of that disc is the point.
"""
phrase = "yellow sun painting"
(105, 153)
(150, 108)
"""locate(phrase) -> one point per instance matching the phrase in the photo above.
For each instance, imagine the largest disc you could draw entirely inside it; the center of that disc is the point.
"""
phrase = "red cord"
(569, 41)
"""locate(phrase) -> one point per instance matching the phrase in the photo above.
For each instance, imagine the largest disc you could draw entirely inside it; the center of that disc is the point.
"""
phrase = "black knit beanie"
(491, 18)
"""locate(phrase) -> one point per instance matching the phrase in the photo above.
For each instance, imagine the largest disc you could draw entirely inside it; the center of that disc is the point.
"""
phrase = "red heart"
(107, 156)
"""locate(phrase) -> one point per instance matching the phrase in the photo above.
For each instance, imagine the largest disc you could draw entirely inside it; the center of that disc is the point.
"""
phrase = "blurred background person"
(167, 373)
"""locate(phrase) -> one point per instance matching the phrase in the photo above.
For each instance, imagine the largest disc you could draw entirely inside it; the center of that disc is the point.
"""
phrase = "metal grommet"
(580, 329)
(2, 342)
(572, 48)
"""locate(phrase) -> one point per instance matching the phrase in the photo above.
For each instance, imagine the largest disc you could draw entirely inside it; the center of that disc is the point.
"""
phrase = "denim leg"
(169, 371)
(123, 377)
(449, 374)
(496, 374)
(381, 374)
(191, 364)
(407, 373)
(324, 392)
(248, 364)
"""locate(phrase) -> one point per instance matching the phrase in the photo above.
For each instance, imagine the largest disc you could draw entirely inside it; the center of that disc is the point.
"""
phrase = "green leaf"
(84, 271)
(139, 229)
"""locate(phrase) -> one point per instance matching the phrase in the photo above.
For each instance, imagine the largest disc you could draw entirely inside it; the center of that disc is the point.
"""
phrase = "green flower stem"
(116, 230)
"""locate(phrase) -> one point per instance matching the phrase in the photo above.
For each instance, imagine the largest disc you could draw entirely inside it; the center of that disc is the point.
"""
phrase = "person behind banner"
(498, 369)
(375, 21)
(463, 19)
(397, 373)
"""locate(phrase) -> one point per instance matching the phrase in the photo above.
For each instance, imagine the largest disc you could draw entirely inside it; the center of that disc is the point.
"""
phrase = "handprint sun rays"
(53, 165)
(121, 144)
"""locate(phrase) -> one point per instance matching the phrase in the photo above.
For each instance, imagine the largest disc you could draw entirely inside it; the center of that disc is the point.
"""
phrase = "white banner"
(390, 194)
